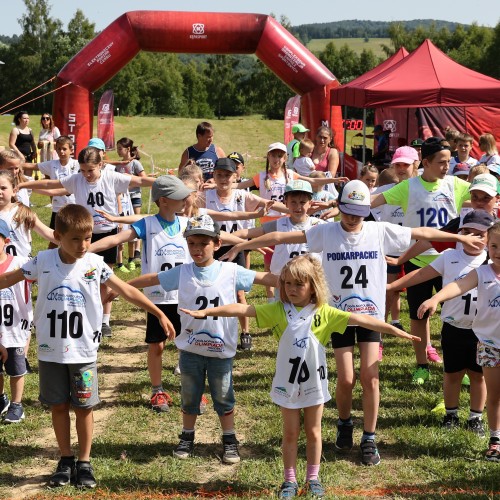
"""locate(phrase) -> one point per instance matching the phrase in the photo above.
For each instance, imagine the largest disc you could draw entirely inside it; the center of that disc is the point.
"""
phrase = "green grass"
(356, 44)
(419, 460)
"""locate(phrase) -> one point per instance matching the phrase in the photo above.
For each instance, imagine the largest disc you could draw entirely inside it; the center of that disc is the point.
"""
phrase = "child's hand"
(428, 305)
(108, 295)
(392, 261)
(3, 353)
(400, 333)
(332, 212)
(195, 314)
(339, 180)
(167, 326)
(318, 205)
(231, 255)
(108, 217)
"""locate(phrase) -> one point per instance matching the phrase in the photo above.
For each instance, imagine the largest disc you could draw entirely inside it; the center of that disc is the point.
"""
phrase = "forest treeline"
(218, 85)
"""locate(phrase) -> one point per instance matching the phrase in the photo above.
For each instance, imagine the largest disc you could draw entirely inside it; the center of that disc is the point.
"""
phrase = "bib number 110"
(65, 324)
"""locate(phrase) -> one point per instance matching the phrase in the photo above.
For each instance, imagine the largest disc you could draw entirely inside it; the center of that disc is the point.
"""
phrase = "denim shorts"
(15, 366)
(219, 372)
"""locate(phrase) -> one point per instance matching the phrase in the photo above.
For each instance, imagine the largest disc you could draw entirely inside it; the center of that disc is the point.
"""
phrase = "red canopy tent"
(427, 78)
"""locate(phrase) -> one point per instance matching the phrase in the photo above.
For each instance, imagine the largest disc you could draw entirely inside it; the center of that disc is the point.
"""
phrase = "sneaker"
(344, 442)
(122, 269)
(432, 355)
(137, 261)
(15, 414)
(476, 426)
(131, 265)
(230, 445)
(186, 446)
(4, 403)
(203, 404)
(369, 452)
(314, 488)
(160, 402)
(439, 410)
(450, 421)
(85, 475)
(493, 453)
(246, 341)
(420, 375)
(399, 326)
(466, 380)
(177, 370)
(288, 490)
(65, 472)
(380, 351)
(106, 330)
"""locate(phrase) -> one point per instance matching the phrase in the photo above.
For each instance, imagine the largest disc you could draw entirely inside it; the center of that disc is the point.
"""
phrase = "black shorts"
(15, 366)
(110, 254)
(348, 338)
(154, 331)
(415, 295)
(459, 349)
(239, 259)
(394, 269)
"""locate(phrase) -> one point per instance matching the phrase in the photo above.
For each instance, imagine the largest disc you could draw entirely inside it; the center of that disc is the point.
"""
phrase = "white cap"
(276, 145)
(354, 199)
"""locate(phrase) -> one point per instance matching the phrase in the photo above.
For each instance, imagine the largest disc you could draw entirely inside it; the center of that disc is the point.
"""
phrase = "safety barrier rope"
(26, 93)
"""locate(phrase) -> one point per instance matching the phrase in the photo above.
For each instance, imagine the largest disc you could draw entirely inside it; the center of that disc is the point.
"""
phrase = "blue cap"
(95, 142)
(4, 229)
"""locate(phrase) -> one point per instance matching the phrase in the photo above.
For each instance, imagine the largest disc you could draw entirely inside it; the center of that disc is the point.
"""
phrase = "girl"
(12, 161)
(488, 146)
(302, 322)
(485, 325)
(369, 176)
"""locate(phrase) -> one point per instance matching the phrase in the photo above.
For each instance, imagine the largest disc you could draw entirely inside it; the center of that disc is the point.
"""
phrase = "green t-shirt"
(327, 320)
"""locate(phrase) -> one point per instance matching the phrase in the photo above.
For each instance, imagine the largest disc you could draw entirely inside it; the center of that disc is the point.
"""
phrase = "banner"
(105, 119)
(292, 113)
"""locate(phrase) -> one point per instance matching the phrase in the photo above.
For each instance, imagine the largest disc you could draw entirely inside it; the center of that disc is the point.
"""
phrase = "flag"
(292, 112)
(105, 120)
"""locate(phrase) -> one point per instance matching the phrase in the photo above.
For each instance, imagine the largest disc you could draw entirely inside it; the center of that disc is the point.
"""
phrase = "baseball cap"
(276, 145)
(494, 167)
(378, 128)
(4, 229)
(355, 199)
(478, 219)
(95, 142)
(237, 157)
(298, 127)
(433, 145)
(487, 183)
(202, 224)
(225, 164)
(404, 154)
(169, 186)
(299, 186)
(416, 143)
(461, 169)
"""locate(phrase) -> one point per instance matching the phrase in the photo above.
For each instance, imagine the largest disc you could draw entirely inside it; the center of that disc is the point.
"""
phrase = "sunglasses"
(45, 117)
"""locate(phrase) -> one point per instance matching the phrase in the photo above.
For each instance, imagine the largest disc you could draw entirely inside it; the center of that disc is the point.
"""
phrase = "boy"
(16, 314)
(292, 148)
(303, 165)
(457, 338)
(323, 199)
(464, 147)
(353, 257)
(68, 324)
(208, 345)
(431, 200)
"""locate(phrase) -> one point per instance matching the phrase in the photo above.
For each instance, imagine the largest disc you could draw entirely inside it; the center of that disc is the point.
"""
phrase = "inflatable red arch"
(191, 32)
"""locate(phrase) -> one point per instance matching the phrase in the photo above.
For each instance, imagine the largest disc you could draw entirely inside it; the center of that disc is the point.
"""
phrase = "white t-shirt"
(303, 165)
(20, 237)
(54, 170)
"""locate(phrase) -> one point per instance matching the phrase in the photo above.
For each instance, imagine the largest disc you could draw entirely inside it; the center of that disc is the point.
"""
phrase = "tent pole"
(345, 141)
(364, 136)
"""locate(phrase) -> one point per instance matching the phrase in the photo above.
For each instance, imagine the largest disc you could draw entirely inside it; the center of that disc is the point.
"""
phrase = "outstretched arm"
(113, 240)
(414, 278)
(41, 184)
(229, 310)
(432, 234)
(377, 200)
(11, 278)
(367, 321)
(44, 231)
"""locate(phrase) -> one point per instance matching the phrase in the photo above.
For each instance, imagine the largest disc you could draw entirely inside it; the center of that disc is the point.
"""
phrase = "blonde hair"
(74, 217)
(24, 215)
(451, 134)
(481, 168)
(368, 168)
(190, 169)
(388, 176)
(495, 229)
(317, 174)
(487, 141)
(192, 183)
(306, 145)
(305, 268)
(9, 154)
(267, 181)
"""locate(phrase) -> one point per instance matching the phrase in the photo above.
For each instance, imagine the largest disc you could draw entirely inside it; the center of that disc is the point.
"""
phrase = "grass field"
(132, 452)
(355, 44)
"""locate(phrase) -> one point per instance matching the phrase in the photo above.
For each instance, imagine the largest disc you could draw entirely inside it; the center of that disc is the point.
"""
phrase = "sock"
(428, 344)
(105, 319)
(495, 435)
(452, 411)
(367, 435)
(229, 432)
(394, 321)
(157, 388)
(187, 431)
(137, 254)
(72, 457)
(347, 421)
(119, 265)
(290, 475)
(475, 414)
(424, 365)
(312, 472)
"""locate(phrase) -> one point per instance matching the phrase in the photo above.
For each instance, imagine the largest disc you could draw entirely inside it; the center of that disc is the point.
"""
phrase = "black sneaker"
(230, 454)
(399, 325)
(186, 446)
(246, 341)
(85, 475)
(344, 440)
(476, 426)
(4, 403)
(64, 474)
(15, 414)
(106, 330)
(450, 421)
(369, 452)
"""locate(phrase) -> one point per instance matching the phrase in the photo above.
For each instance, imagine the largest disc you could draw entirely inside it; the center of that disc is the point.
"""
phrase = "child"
(457, 337)
(431, 200)
(353, 257)
(322, 198)
(301, 321)
(16, 316)
(303, 165)
(464, 147)
(488, 146)
(68, 326)
(461, 170)
(369, 176)
(292, 148)
(12, 162)
(207, 347)
(485, 326)
(451, 136)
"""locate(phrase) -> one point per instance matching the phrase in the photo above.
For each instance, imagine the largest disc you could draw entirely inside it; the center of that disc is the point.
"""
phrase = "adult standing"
(205, 153)
(47, 138)
(325, 156)
(21, 139)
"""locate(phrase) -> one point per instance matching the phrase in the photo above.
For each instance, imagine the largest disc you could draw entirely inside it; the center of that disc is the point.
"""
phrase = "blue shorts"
(219, 372)
(15, 366)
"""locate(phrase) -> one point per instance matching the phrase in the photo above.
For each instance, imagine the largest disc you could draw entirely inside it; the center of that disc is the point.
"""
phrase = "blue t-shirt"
(169, 280)
(170, 227)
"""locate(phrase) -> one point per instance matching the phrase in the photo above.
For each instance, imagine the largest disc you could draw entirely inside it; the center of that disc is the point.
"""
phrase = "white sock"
(105, 319)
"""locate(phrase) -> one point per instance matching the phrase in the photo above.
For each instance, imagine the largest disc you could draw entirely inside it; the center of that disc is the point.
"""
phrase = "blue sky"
(103, 12)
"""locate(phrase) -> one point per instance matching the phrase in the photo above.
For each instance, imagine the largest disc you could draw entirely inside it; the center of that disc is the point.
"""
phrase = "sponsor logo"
(358, 305)
(206, 340)
(67, 295)
(198, 31)
(442, 197)
(281, 391)
(301, 343)
(45, 348)
(368, 254)
(90, 274)
(6, 294)
(356, 196)
(390, 125)
(494, 302)
(171, 250)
